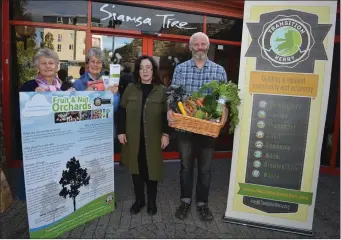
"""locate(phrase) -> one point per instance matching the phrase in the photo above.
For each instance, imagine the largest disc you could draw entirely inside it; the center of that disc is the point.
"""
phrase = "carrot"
(199, 103)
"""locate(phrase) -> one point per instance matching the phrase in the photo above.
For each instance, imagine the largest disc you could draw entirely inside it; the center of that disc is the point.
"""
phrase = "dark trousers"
(139, 183)
(191, 146)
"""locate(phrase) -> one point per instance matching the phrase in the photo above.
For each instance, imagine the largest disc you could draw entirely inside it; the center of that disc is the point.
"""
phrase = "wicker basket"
(196, 125)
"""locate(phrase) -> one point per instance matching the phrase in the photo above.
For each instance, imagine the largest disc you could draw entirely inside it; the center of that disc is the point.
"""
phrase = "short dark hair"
(156, 76)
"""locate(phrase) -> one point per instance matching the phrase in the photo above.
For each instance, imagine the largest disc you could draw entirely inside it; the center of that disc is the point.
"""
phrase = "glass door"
(168, 54)
(228, 57)
(118, 50)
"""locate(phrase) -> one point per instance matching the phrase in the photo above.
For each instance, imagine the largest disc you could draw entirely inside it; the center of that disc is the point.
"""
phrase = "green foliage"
(48, 41)
(230, 92)
(25, 66)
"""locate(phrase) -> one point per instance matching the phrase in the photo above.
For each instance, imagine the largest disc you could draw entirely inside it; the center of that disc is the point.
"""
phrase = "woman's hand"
(122, 138)
(164, 141)
(113, 89)
(40, 89)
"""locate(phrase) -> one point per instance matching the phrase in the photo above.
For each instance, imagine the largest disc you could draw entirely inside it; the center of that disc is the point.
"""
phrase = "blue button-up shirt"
(192, 78)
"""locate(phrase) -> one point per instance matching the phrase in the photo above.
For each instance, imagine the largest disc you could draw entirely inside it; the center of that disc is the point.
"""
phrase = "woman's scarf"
(56, 83)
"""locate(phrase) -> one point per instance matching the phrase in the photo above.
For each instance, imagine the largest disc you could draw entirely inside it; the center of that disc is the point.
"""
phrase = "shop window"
(331, 110)
(70, 21)
(168, 55)
(225, 28)
(119, 50)
(147, 20)
(50, 11)
(228, 57)
(59, 19)
(22, 69)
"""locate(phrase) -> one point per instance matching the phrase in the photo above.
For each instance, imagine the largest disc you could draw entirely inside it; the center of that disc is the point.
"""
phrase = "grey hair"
(45, 52)
(197, 34)
(95, 52)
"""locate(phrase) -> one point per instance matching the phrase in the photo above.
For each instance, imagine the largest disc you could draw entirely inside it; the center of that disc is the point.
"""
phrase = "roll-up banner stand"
(284, 79)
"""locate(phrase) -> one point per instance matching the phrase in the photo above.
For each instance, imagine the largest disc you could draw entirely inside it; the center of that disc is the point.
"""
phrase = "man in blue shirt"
(192, 75)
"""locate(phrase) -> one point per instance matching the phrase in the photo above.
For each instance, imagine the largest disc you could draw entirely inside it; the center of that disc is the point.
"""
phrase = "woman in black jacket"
(46, 61)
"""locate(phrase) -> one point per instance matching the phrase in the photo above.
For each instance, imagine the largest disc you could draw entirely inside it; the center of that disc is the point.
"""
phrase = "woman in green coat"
(143, 130)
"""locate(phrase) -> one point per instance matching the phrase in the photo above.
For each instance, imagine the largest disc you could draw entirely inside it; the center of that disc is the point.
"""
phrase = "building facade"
(125, 30)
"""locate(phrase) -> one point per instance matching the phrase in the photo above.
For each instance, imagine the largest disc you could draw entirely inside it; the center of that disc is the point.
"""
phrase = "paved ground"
(120, 224)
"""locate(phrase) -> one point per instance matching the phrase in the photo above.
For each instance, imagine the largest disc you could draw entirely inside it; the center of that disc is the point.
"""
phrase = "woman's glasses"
(148, 69)
(94, 62)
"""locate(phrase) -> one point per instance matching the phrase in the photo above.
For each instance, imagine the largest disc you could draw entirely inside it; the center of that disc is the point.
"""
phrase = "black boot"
(139, 194)
(136, 207)
(151, 191)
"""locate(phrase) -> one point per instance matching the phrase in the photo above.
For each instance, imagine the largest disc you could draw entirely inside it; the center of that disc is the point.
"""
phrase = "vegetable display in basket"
(175, 94)
(207, 107)
(226, 94)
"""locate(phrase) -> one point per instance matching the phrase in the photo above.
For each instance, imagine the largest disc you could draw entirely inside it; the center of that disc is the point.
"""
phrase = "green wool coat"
(154, 109)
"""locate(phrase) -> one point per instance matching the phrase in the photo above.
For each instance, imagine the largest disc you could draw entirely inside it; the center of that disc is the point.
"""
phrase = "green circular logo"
(286, 41)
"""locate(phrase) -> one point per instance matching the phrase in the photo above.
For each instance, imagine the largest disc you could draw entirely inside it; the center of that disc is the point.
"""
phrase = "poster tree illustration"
(75, 177)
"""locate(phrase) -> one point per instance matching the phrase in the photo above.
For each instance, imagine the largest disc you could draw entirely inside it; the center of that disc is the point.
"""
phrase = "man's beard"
(202, 56)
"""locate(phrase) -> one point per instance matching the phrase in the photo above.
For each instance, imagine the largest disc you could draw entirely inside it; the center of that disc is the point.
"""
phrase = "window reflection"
(228, 57)
(118, 50)
(25, 41)
(168, 55)
(224, 29)
(75, 13)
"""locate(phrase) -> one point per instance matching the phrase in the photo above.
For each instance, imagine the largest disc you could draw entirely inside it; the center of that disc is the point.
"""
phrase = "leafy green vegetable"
(230, 92)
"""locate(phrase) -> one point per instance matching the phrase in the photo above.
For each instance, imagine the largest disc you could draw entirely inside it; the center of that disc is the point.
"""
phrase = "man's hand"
(170, 116)
(122, 138)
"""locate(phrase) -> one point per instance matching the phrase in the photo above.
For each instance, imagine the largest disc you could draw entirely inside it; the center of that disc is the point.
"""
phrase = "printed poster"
(67, 140)
(286, 59)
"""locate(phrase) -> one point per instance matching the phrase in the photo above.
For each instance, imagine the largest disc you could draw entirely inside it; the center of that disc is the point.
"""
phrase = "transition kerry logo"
(287, 41)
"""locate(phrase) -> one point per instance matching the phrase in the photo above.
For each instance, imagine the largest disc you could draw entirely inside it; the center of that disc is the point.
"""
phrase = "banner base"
(266, 226)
